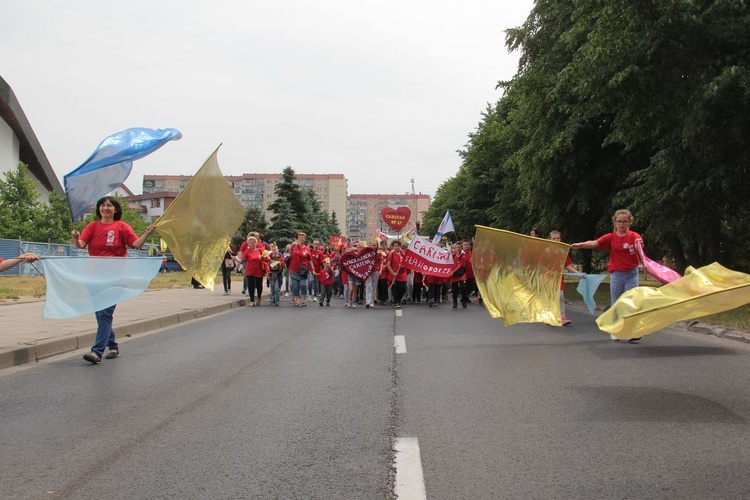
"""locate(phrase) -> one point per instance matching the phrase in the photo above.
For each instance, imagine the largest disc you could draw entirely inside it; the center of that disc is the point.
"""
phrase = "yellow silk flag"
(519, 276)
(707, 290)
(201, 221)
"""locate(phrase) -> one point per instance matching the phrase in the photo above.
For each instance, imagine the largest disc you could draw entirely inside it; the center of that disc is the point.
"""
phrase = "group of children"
(389, 283)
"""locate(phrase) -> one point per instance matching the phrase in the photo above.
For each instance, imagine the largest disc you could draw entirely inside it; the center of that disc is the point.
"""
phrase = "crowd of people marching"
(312, 273)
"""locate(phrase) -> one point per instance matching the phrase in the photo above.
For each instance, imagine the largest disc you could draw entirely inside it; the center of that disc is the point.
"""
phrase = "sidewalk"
(25, 338)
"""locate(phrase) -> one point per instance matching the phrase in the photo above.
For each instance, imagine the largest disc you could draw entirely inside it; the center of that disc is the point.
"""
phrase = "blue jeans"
(299, 285)
(105, 335)
(622, 281)
(314, 285)
(276, 280)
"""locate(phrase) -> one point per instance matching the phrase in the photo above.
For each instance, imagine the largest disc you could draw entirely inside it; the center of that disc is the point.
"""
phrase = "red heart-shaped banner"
(396, 218)
(360, 264)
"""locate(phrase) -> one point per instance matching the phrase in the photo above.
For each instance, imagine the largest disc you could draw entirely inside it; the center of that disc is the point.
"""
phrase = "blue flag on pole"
(446, 226)
(81, 285)
(110, 164)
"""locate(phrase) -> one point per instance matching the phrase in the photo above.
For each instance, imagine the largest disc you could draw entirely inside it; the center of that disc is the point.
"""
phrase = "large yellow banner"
(707, 290)
(519, 276)
(200, 222)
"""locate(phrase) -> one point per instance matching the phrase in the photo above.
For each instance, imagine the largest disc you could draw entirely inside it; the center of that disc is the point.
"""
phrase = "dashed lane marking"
(400, 342)
(409, 476)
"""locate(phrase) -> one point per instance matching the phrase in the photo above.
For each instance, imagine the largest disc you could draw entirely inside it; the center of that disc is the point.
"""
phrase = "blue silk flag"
(587, 287)
(82, 285)
(110, 164)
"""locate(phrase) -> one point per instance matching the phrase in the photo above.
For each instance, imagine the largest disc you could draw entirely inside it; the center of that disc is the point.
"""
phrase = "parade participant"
(623, 258)
(260, 246)
(371, 283)
(458, 278)
(255, 270)
(227, 266)
(353, 281)
(107, 236)
(382, 273)
(277, 267)
(557, 236)
(395, 266)
(471, 283)
(416, 295)
(287, 257)
(300, 265)
(325, 277)
(317, 257)
(433, 289)
(24, 257)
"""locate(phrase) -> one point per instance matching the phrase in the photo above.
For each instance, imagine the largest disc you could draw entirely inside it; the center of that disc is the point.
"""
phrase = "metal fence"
(13, 248)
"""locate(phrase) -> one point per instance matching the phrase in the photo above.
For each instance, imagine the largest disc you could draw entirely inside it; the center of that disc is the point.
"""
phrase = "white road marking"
(400, 342)
(409, 477)
(399, 312)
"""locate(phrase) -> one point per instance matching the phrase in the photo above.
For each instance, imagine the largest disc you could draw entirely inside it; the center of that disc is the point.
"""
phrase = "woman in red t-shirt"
(107, 236)
(255, 269)
(395, 265)
(300, 266)
(623, 259)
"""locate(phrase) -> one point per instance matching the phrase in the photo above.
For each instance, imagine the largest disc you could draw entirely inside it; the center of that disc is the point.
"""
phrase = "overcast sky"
(381, 92)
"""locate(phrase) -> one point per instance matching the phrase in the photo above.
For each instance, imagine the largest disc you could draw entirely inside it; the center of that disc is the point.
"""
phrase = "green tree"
(55, 223)
(333, 225)
(317, 219)
(254, 221)
(621, 104)
(20, 212)
(284, 224)
(566, 175)
(288, 190)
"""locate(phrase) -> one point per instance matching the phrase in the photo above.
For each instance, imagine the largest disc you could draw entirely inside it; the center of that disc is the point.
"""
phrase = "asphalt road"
(280, 402)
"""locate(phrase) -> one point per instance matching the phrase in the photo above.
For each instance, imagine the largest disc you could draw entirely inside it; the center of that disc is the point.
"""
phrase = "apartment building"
(259, 190)
(363, 212)
(151, 206)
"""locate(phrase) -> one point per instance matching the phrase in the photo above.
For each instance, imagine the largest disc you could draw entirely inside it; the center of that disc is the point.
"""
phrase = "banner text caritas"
(394, 217)
(430, 252)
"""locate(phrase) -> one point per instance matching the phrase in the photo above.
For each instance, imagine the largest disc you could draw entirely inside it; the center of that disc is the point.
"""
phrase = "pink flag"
(663, 274)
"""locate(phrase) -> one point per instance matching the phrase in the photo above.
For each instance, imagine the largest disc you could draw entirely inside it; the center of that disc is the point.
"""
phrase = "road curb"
(715, 330)
(47, 348)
